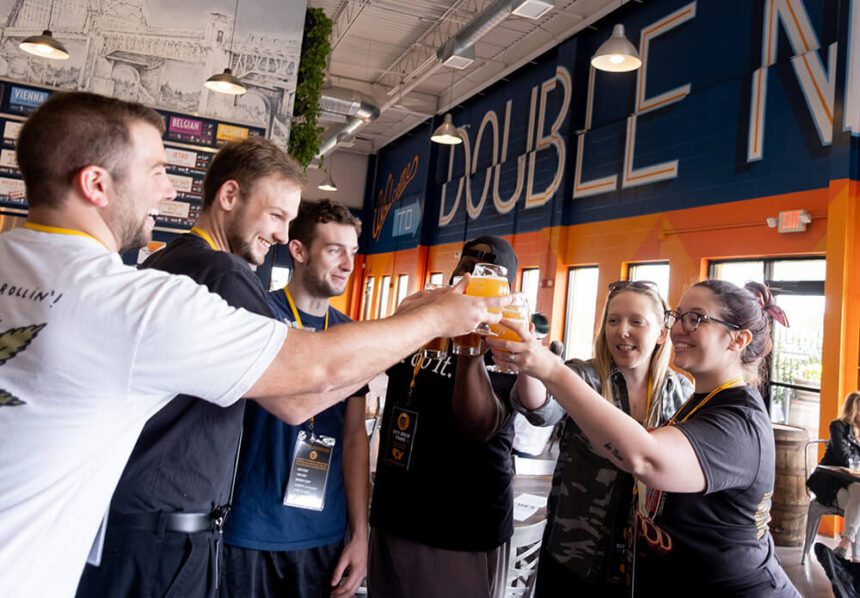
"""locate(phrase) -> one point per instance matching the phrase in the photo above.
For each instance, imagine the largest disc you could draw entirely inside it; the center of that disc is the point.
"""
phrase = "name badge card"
(309, 472)
(401, 438)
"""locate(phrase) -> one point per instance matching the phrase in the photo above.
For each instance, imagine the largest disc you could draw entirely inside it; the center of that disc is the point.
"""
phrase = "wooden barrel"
(790, 501)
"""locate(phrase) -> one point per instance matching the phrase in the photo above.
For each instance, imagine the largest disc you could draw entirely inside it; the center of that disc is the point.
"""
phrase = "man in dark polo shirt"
(442, 508)
(285, 538)
(163, 533)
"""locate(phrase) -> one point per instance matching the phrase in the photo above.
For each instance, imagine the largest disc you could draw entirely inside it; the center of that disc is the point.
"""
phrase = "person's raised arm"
(349, 354)
(477, 410)
(662, 459)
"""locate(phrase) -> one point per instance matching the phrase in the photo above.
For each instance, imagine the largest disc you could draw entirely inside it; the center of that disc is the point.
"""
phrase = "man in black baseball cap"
(442, 498)
(488, 250)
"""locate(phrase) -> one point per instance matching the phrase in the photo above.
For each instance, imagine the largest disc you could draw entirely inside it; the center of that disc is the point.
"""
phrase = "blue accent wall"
(717, 53)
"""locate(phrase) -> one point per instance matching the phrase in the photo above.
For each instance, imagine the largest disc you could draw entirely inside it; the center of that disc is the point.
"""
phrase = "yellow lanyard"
(56, 230)
(739, 381)
(295, 311)
(205, 236)
(298, 319)
(649, 499)
(648, 401)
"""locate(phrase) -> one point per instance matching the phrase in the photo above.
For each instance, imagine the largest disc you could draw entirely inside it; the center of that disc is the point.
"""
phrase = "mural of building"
(116, 50)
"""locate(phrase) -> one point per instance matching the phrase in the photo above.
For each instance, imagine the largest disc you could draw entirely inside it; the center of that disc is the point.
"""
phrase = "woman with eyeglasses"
(584, 551)
(706, 478)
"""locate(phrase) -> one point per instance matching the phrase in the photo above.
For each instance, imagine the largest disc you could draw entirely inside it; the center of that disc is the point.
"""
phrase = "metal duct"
(475, 29)
(471, 32)
(347, 102)
(352, 107)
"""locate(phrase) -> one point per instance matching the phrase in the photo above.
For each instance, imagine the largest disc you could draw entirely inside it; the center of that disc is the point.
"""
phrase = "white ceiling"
(381, 47)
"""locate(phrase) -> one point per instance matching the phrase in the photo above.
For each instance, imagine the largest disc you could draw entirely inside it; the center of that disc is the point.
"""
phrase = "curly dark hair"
(303, 227)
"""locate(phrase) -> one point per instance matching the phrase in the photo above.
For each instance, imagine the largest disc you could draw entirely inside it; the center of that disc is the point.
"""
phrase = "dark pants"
(306, 573)
(153, 565)
(400, 568)
(554, 580)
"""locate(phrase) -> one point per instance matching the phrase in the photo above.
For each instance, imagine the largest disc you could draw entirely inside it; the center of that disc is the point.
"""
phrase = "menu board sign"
(23, 100)
(190, 142)
(189, 130)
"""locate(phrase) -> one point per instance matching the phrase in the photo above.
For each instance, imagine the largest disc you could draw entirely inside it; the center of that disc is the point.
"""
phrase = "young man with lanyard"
(90, 348)
(246, 195)
(442, 510)
(285, 536)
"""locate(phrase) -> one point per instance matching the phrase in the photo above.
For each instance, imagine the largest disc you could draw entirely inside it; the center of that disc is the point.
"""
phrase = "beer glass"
(488, 280)
(438, 347)
(518, 310)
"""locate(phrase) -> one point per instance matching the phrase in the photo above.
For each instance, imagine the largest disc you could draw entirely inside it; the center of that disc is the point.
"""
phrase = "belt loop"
(163, 520)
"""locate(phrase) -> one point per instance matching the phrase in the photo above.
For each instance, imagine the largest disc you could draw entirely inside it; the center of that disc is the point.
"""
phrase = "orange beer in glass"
(518, 310)
(488, 280)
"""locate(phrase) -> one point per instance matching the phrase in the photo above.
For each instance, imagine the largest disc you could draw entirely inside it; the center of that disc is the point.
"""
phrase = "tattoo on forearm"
(614, 451)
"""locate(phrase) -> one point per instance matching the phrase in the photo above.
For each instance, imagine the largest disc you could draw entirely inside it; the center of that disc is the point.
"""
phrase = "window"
(384, 290)
(738, 272)
(580, 313)
(368, 297)
(529, 285)
(794, 385)
(402, 287)
(280, 278)
(657, 273)
(436, 278)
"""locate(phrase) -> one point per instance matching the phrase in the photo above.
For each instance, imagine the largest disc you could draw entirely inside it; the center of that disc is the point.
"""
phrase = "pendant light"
(617, 54)
(44, 45)
(227, 82)
(328, 183)
(447, 133)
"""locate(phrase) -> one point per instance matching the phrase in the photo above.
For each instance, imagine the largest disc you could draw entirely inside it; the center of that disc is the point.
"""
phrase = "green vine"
(304, 133)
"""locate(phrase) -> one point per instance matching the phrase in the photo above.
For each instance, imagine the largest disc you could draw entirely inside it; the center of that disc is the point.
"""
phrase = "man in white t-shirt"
(90, 348)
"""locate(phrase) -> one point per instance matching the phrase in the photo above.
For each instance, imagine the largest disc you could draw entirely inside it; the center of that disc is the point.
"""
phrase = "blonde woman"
(843, 449)
(584, 551)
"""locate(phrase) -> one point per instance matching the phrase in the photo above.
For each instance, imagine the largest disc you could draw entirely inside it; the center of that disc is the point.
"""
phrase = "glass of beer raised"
(438, 347)
(518, 310)
(488, 280)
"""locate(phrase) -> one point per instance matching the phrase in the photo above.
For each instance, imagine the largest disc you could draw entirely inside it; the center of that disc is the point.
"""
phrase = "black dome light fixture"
(227, 82)
(45, 45)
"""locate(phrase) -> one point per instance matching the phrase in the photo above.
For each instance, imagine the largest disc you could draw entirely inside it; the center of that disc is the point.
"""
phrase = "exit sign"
(792, 221)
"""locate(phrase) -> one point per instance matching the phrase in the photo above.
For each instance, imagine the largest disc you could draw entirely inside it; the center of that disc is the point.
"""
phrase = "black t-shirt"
(720, 541)
(456, 493)
(183, 460)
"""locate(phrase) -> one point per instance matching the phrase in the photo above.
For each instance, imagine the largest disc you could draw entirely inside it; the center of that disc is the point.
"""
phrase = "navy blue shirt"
(259, 519)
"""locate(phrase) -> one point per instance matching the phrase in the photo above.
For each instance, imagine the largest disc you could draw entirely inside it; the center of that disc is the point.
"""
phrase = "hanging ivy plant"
(304, 133)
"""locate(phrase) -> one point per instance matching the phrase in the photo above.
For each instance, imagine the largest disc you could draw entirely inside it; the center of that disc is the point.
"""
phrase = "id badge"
(309, 472)
(401, 438)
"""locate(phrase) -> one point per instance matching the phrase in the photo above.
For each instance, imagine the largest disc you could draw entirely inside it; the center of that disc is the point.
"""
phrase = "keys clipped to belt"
(309, 471)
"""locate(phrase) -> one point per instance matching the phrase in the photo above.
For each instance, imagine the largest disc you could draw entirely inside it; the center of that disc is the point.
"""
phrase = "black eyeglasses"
(690, 320)
(644, 285)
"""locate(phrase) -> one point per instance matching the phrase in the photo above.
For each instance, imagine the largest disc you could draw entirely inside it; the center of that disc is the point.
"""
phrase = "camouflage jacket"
(591, 499)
